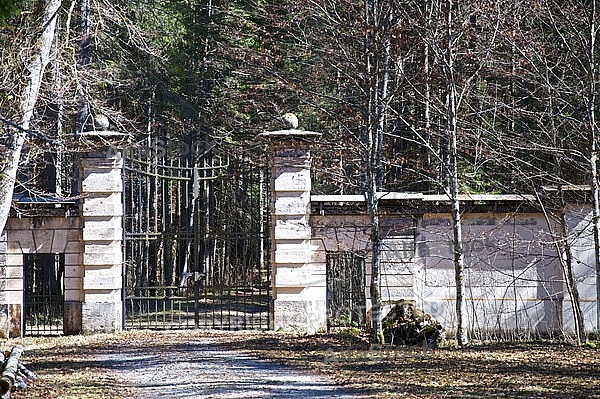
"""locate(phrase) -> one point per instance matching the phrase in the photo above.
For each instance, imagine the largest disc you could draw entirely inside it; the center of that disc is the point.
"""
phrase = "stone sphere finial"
(101, 122)
(290, 121)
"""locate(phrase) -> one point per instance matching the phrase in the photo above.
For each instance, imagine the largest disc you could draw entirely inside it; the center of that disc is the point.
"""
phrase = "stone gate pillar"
(101, 188)
(298, 287)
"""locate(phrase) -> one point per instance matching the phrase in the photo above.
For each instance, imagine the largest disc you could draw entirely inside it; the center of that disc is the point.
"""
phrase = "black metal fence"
(346, 301)
(196, 242)
(43, 294)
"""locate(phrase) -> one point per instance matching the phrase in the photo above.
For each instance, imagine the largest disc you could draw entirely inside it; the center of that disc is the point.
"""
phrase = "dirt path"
(207, 364)
(204, 369)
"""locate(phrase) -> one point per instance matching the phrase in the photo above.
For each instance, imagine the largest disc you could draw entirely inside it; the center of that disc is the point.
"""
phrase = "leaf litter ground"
(208, 364)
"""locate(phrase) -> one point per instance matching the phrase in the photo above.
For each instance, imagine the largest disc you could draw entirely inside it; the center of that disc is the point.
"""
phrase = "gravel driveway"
(203, 369)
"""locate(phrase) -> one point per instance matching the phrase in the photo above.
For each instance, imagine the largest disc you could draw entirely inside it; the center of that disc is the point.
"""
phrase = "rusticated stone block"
(74, 283)
(102, 317)
(304, 315)
(106, 258)
(74, 247)
(75, 295)
(101, 282)
(292, 205)
(99, 233)
(101, 175)
(292, 179)
(102, 247)
(292, 229)
(298, 252)
(298, 277)
(102, 296)
(73, 260)
(14, 272)
(101, 209)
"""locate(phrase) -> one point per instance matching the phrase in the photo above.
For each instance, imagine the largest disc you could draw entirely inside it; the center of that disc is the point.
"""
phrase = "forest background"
(522, 76)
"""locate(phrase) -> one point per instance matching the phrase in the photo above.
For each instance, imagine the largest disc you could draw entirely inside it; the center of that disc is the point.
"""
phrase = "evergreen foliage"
(9, 8)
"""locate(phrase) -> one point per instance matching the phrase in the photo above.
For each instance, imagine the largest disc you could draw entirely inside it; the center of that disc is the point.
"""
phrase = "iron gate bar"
(176, 168)
(203, 168)
(174, 178)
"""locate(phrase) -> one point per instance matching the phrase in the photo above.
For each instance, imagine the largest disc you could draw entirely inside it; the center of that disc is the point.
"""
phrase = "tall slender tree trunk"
(209, 210)
(563, 248)
(378, 21)
(30, 94)
(375, 287)
(57, 87)
(593, 137)
(372, 145)
(453, 189)
(83, 112)
(427, 106)
(566, 262)
(458, 251)
(562, 243)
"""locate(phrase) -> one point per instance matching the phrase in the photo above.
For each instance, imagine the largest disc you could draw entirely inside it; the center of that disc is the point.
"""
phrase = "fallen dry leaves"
(69, 368)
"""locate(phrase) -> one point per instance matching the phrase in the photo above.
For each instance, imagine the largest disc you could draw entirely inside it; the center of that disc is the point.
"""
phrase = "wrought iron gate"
(43, 294)
(196, 242)
(346, 304)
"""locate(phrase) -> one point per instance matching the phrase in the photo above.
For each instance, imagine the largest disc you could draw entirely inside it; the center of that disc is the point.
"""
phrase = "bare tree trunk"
(562, 243)
(458, 252)
(452, 170)
(382, 90)
(565, 258)
(83, 112)
(379, 20)
(57, 83)
(372, 145)
(427, 73)
(30, 95)
(591, 110)
(566, 262)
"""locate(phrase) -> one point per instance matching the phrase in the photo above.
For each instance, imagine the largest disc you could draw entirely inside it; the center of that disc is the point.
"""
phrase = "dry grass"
(69, 367)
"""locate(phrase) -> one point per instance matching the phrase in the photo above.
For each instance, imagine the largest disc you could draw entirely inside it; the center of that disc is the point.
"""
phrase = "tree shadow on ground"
(522, 370)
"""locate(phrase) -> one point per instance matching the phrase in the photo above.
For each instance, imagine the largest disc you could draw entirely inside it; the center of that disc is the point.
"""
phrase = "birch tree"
(379, 20)
(29, 96)
(578, 31)
(452, 171)
(567, 70)
(533, 135)
(591, 69)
